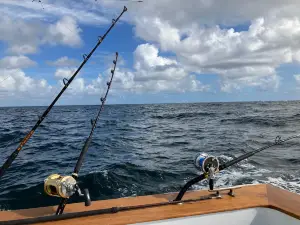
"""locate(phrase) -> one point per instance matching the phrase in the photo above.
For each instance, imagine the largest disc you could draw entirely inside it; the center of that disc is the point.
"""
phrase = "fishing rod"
(66, 186)
(209, 165)
(66, 82)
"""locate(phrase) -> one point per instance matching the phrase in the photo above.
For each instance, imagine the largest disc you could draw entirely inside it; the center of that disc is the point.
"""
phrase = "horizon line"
(159, 103)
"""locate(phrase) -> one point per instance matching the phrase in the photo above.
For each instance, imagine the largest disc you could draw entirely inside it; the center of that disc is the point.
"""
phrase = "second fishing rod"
(65, 186)
(66, 82)
(209, 165)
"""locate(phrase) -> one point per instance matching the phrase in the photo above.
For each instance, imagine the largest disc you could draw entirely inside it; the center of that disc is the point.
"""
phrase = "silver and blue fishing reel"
(209, 165)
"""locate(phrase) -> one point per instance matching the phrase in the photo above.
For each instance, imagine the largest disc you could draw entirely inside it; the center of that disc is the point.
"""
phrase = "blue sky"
(202, 53)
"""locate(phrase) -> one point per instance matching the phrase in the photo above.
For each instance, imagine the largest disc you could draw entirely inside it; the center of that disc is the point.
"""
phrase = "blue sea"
(146, 149)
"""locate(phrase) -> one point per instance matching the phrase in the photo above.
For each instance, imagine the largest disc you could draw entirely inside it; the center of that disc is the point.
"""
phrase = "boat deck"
(246, 197)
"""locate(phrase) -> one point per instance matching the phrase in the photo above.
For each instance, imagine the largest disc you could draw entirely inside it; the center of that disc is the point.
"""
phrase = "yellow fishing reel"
(64, 187)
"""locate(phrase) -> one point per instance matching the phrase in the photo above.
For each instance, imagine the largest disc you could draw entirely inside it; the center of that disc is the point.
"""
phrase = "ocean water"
(146, 149)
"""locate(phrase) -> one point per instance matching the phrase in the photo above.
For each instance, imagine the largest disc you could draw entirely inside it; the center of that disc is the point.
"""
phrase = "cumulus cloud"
(212, 12)
(153, 73)
(22, 49)
(245, 58)
(77, 86)
(15, 82)
(65, 31)
(15, 62)
(64, 72)
(64, 61)
(24, 37)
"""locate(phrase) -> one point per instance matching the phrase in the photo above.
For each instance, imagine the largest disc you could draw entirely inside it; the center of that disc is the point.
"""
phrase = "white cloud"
(64, 72)
(146, 57)
(65, 31)
(15, 62)
(15, 82)
(153, 73)
(24, 37)
(246, 58)
(77, 86)
(87, 12)
(22, 49)
(212, 12)
(63, 62)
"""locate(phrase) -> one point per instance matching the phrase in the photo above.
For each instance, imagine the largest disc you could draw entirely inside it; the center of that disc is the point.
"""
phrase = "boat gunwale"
(249, 196)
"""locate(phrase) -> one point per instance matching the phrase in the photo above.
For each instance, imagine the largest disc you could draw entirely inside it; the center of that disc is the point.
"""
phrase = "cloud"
(15, 62)
(22, 49)
(64, 72)
(64, 61)
(15, 83)
(24, 37)
(152, 74)
(211, 12)
(245, 58)
(146, 57)
(65, 32)
(86, 12)
(77, 86)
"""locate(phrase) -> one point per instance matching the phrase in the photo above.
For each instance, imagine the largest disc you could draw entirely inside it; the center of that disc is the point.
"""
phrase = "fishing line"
(5, 79)
(86, 145)
(66, 82)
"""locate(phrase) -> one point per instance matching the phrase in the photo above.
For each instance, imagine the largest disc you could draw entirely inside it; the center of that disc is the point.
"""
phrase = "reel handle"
(86, 195)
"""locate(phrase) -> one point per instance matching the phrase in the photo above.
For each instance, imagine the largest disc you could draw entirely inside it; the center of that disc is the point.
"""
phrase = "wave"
(183, 115)
(261, 121)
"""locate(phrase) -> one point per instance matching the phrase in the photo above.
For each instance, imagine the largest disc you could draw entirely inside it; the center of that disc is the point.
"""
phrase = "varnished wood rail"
(246, 197)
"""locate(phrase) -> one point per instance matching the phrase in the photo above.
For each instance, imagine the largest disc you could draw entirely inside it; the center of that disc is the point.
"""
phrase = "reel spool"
(208, 165)
(64, 187)
(60, 186)
(203, 162)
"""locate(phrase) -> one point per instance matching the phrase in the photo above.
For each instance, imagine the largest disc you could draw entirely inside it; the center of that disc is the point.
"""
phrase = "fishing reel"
(64, 187)
(209, 165)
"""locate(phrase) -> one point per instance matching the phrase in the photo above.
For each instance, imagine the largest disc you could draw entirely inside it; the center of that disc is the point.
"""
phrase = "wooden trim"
(284, 201)
(246, 197)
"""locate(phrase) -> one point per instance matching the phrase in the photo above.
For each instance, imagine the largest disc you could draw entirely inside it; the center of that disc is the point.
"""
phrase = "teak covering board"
(262, 195)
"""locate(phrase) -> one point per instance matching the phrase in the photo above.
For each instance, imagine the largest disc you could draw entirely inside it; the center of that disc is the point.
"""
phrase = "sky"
(169, 51)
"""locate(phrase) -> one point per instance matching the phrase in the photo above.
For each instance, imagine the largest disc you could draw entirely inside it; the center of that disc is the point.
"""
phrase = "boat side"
(251, 196)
